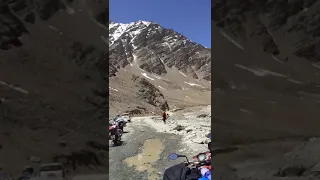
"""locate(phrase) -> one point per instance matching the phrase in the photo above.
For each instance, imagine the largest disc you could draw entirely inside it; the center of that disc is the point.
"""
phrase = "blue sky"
(189, 17)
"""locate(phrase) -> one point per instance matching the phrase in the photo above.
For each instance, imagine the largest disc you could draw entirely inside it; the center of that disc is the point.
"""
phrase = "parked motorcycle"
(115, 134)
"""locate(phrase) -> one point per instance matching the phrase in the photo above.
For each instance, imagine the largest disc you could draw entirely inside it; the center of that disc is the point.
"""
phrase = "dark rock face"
(83, 64)
(30, 18)
(259, 20)
(88, 56)
(11, 11)
(102, 17)
(149, 93)
(155, 47)
(10, 28)
(82, 157)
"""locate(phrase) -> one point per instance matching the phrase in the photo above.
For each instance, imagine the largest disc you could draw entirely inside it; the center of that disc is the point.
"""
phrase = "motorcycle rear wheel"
(117, 142)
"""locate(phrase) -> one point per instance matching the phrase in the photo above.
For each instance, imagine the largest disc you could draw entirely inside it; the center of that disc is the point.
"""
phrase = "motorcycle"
(115, 134)
(201, 162)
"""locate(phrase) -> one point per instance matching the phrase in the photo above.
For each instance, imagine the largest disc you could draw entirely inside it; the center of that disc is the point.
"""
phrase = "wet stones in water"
(179, 128)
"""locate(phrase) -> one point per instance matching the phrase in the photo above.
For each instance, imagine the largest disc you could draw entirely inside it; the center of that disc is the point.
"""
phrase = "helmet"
(209, 135)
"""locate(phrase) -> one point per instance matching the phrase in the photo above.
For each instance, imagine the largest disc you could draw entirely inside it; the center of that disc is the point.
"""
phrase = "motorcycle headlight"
(202, 157)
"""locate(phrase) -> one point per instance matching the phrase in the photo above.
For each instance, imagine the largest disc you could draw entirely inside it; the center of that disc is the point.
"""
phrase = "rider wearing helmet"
(120, 122)
(181, 172)
(176, 172)
(118, 119)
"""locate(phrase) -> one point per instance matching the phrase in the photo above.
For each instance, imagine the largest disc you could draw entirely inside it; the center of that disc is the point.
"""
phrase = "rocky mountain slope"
(52, 83)
(164, 57)
(245, 66)
(266, 84)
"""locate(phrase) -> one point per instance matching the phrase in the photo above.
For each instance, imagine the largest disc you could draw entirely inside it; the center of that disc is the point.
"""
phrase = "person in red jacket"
(164, 117)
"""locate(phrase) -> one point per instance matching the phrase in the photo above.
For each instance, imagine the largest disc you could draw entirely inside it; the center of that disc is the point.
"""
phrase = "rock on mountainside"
(150, 93)
(156, 52)
(52, 83)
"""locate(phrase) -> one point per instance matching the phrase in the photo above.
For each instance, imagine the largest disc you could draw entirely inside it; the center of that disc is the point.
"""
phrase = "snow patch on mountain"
(231, 40)
(104, 39)
(119, 29)
(16, 88)
(145, 75)
(260, 72)
(182, 74)
(295, 81)
(158, 77)
(162, 88)
(113, 89)
(193, 84)
(316, 65)
(134, 62)
(278, 60)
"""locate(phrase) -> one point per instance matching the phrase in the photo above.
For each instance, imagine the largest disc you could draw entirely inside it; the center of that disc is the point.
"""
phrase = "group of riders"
(198, 169)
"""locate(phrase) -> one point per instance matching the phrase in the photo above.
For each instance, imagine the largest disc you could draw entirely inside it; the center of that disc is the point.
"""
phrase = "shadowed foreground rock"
(52, 82)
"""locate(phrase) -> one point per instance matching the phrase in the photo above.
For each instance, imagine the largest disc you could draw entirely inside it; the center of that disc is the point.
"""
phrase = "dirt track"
(143, 154)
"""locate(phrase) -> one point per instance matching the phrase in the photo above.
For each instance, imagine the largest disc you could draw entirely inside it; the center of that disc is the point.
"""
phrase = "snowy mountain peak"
(155, 49)
(116, 30)
(147, 23)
